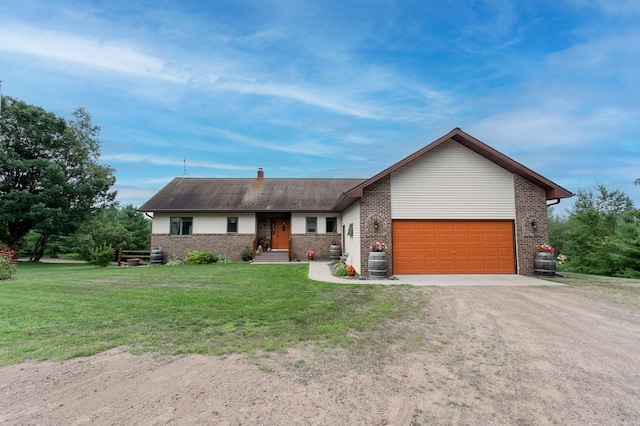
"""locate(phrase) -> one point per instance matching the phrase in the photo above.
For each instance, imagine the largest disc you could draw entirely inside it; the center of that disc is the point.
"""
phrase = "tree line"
(56, 199)
(55, 195)
(600, 234)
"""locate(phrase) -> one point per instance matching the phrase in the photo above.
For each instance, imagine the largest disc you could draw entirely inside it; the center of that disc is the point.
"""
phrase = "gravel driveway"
(475, 355)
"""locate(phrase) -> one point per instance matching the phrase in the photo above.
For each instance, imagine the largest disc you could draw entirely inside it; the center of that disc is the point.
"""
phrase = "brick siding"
(230, 245)
(319, 243)
(531, 206)
(376, 206)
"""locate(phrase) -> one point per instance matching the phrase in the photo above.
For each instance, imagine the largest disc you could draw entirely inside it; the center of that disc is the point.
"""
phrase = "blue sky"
(334, 88)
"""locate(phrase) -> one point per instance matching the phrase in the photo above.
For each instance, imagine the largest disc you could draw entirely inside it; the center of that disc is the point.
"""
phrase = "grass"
(626, 286)
(61, 311)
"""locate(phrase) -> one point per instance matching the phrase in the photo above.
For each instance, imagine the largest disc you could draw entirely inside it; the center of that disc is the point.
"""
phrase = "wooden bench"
(124, 255)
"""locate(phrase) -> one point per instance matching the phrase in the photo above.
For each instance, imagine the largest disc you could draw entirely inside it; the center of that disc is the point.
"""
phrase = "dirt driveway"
(476, 355)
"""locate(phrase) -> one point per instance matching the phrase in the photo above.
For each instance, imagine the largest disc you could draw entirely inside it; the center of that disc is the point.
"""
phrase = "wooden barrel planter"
(334, 252)
(378, 264)
(157, 257)
(544, 264)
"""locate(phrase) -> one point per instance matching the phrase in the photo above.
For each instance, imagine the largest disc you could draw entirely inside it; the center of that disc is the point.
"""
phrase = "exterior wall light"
(534, 225)
(375, 224)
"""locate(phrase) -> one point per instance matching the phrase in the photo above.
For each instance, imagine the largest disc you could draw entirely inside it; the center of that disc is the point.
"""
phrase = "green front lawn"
(60, 311)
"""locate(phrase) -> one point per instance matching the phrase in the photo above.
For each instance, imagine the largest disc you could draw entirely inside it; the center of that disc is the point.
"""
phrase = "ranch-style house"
(457, 206)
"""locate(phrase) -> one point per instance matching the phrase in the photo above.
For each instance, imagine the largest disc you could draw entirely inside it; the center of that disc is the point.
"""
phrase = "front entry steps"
(274, 256)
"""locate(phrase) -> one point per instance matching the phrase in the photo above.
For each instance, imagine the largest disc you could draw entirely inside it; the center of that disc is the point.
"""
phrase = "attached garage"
(453, 247)
(457, 206)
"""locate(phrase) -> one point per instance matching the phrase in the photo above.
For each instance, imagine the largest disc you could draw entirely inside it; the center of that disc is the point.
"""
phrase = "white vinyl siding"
(160, 223)
(351, 216)
(299, 222)
(206, 223)
(452, 182)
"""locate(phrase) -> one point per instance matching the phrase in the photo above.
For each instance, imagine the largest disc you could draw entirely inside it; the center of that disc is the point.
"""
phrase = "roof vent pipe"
(260, 173)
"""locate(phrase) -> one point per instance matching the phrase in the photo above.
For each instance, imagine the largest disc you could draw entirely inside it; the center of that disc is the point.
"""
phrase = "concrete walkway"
(319, 271)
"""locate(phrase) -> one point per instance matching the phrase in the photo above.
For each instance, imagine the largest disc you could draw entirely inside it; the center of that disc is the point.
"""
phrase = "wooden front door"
(280, 233)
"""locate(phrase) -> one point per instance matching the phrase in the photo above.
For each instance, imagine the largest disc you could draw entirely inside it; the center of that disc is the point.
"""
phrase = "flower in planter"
(310, 253)
(334, 242)
(544, 248)
(378, 246)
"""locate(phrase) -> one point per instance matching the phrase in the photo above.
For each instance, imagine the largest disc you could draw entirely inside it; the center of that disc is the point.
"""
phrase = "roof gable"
(553, 190)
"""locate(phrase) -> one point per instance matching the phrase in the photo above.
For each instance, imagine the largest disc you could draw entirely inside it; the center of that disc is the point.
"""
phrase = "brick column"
(375, 206)
(531, 206)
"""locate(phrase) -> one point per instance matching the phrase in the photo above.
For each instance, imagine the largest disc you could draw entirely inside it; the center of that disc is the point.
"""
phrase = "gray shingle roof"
(248, 195)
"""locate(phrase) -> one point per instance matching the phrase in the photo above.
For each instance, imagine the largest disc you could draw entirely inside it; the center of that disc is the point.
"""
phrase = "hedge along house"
(457, 206)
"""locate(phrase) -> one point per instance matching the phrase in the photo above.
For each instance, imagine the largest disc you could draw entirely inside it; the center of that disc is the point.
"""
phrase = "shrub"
(340, 269)
(8, 264)
(101, 255)
(200, 257)
(340, 272)
(223, 258)
(175, 260)
(245, 254)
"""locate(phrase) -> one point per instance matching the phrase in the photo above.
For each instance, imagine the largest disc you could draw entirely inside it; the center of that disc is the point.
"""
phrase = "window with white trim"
(232, 225)
(181, 226)
(332, 225)
(312, 224)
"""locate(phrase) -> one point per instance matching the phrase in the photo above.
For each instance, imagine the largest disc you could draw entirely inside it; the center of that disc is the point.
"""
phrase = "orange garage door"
(453, 247)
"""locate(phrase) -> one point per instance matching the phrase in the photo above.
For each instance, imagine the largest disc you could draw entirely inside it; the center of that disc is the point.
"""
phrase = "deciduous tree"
(602, 236)
(50, 177)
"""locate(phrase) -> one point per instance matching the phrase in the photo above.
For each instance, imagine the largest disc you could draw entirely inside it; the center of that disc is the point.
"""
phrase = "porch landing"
(273, 256)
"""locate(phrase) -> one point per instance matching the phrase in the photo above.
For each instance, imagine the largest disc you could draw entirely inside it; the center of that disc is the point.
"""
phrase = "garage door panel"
(429, 253)
(460, 238)
(504, 238)
(445, 253)
(505, 252)
(476, 265)
(475, 238)
(447, 247)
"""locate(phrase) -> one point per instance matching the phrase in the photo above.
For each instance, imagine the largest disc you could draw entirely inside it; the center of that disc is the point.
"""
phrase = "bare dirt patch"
(475, 355)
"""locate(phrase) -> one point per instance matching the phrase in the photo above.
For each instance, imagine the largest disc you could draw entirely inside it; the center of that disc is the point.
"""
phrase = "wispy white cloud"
(322, 100)
(89, 51)
(128, 194)
(225, 71)
(165, 161)
(306, 147)
(299, 88)
(549, 126)
(599, 59)
(487, 25)
(613, 7)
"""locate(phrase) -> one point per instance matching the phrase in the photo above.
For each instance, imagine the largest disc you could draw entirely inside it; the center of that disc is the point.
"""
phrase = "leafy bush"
(8, 265)
(340, 269)
(200, 257)
(102, 255)
(223, 258)
(175, 260)
(245, 254)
